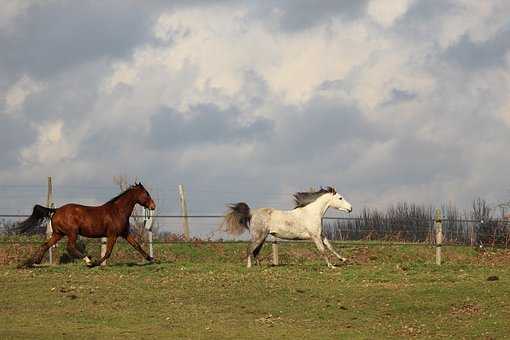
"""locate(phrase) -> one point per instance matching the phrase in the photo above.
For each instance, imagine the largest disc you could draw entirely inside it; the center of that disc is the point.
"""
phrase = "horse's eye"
(340, 198)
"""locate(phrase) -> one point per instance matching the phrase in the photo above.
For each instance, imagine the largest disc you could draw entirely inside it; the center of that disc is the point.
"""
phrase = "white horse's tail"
(237, 219)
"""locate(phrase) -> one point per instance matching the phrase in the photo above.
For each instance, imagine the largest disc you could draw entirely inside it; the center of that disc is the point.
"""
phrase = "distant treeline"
(409, 222)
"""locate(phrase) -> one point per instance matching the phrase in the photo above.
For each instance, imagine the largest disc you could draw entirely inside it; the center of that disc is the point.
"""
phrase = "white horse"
(304, 222)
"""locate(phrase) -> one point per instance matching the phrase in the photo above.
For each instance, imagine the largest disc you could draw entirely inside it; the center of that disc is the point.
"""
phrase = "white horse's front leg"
(330, 247)
(322, 251)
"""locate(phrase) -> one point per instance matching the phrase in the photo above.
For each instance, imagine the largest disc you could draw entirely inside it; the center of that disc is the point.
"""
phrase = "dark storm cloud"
(71, 96)
(15, 134)
(478, 55)
(414, 161)
(399, 96)
(296, 15)
(322, 131)
(52, 37)
(204, 124)
(421, 20)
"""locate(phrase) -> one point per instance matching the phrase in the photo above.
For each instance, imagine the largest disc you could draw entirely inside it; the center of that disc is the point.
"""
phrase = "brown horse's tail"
(237, 219)
(38, 215)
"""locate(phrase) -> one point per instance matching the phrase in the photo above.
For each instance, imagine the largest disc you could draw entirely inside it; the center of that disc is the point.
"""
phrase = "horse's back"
(286, 224)
(83, 219)
(79, 209)
(267, 216)
(77, 206)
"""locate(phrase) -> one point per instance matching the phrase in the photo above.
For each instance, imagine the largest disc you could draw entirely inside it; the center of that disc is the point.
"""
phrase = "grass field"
(203, 291)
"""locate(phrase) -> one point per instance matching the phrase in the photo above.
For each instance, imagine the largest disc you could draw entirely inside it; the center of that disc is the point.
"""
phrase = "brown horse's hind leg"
(109, 247)
(73, 251)
(39, 254)
(132, 241)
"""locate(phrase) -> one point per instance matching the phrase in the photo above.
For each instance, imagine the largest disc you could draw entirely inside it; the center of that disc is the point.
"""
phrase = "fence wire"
(167, 228)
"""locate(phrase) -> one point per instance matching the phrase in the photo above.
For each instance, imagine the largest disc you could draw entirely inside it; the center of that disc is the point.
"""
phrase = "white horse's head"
(328, 198)
(340, 203)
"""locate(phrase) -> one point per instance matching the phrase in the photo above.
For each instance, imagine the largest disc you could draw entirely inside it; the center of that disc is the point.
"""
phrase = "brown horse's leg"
(132, 241)
(109, 246)
(39, 254)
(73, 251)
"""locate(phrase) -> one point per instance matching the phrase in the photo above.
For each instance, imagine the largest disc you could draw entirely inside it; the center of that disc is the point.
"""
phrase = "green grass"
(204, 291)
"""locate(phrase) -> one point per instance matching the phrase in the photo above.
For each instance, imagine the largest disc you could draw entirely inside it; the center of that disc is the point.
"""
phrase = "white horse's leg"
(322, 250)
(330, 247)
(255, 247)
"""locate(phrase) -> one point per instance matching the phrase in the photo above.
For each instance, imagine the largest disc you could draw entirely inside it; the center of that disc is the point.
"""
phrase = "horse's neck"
(125, 203)
(319, 206)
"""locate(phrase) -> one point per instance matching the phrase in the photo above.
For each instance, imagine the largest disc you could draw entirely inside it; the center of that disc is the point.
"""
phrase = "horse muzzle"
(151, 206)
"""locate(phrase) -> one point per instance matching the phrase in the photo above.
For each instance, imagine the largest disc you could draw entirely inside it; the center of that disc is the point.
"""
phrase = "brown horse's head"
(143, 198)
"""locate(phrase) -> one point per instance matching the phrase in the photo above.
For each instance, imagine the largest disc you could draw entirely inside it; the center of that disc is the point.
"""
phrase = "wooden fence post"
(472, 238)
(49, 229)
(151, 250)
(438, 226)
(103, 250)
(275, 253)
(147, 224)
(184, 211)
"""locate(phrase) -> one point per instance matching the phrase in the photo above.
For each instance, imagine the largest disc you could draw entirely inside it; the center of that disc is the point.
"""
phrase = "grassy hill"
(204, 291)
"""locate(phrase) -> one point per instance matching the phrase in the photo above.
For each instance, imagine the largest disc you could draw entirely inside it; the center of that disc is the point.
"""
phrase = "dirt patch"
(363, 255)
(498, 257)
(467, 309)
(15, 253)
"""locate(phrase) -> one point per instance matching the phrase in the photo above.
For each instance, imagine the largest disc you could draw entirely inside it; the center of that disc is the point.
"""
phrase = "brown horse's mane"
(134, 186)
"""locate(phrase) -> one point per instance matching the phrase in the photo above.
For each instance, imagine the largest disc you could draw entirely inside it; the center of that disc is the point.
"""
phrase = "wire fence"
(168, 228)
(493, 232)
(400, 222)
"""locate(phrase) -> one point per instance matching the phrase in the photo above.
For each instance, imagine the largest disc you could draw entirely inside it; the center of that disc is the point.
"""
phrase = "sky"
(386, 100)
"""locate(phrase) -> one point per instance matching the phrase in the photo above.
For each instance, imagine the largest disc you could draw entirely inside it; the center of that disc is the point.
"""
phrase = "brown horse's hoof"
(25, 266)
(29, 263)
(150, 259)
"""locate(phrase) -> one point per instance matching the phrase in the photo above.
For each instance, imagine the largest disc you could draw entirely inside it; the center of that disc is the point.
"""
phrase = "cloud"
(204, 124)
(472, 55)
(51, 145)
(385, 12)
(45, 38)
(389, 101)
(16, 94)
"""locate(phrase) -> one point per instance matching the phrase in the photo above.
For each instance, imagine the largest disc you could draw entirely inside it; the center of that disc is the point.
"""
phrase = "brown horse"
(109, 220)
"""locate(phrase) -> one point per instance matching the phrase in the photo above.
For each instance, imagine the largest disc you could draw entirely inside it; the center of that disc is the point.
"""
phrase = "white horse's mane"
(302, 199)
